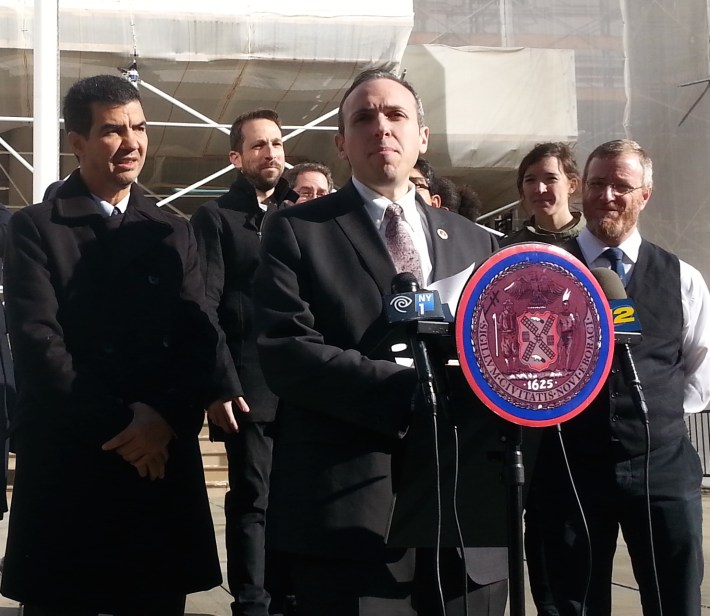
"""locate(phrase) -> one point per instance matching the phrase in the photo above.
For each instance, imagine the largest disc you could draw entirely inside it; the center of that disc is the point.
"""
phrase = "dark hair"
(236, 138)
(447, 191)
(291, 175)
(379, 73)
(424, 167)
(555, 149)
(614, 148)
(470, 203)
(103, 89)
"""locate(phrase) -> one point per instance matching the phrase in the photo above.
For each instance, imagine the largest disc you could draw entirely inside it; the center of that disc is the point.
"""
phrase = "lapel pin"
(442, 234)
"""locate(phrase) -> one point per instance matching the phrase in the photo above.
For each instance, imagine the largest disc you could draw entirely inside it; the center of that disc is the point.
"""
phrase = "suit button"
(153, 279)
(614, 394)
(615, 418)
(109, 348)
(166, 341)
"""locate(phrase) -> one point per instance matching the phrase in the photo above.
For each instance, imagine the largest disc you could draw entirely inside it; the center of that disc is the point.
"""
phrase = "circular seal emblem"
(534, 334)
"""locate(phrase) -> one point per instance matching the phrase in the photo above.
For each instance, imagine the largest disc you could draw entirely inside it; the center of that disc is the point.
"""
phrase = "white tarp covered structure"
(496, 76)
(484, 107)
(230, 57)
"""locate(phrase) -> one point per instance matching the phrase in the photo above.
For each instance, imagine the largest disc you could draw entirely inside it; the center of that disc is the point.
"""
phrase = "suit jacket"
(345, 404)
(228, 233)
(104, 312)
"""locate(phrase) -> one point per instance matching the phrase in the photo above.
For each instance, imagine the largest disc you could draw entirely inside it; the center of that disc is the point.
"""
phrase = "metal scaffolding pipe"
(45, 133)
(16, 154)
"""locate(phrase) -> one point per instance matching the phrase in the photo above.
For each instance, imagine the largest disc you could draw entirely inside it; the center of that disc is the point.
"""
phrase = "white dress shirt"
(695, 300)
(376, 204)
(106, 209)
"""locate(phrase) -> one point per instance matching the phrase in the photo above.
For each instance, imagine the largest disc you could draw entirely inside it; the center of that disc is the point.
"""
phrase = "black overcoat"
(228, 232)
(102, 315)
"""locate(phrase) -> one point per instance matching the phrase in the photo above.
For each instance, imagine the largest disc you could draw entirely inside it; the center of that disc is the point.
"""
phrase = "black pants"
(537, 563)
(404, 586)
(612, 494)
(249, 457)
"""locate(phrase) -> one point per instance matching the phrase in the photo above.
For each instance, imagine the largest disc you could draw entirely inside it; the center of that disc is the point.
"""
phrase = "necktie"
(116, 211)
(400, 244)
(614, 255)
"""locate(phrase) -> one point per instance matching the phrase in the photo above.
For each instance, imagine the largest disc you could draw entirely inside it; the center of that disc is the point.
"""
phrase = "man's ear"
(436, 201)
(339, 144)
(235, 158)
(77, 143)
(424, 139)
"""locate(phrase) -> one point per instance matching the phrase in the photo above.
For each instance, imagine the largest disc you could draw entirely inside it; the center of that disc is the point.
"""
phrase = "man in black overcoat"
(243, 408)
(113, 348)
(7, 376)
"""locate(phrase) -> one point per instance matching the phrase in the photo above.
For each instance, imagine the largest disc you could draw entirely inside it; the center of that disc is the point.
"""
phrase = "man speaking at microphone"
(606, 444)
(325, 267)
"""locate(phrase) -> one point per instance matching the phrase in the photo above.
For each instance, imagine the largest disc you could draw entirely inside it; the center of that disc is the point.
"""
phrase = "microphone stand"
(515, 477)
(514, 467)
(427, 383)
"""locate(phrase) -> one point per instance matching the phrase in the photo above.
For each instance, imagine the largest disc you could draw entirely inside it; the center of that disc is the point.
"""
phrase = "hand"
(144, 442)
(221, 413)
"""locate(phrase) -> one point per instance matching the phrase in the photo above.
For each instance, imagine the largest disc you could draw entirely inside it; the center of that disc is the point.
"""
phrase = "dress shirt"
(106, 209)
(376, 204)
(695, 300)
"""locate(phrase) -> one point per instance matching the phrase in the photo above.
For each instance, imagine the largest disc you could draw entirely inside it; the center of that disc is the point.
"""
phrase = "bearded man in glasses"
(607, 444)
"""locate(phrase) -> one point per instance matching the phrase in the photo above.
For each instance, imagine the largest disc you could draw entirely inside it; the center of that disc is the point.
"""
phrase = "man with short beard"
(606, 445)
(228, 232)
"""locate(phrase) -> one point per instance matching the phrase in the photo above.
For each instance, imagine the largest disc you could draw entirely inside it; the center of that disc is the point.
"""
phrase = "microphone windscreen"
(405, 282)
(610, 283)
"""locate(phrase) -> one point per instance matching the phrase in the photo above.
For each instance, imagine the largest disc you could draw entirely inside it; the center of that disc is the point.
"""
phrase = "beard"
(613, 231)
(262, 179)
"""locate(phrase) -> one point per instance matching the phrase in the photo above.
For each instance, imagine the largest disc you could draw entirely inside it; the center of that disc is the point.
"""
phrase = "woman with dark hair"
(547, 178)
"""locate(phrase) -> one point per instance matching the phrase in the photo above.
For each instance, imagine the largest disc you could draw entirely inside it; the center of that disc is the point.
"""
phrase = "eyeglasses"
(419, 184)
(618, 190)
(307, 193)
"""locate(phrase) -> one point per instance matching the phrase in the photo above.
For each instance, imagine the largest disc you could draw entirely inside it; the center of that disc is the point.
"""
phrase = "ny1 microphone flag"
(534, 334)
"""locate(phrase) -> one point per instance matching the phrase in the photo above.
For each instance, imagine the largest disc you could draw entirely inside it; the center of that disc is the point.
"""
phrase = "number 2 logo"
(623, 314)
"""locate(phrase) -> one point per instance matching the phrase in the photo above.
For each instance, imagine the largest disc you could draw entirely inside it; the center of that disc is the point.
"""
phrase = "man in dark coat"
(346, 404)
(7, 377)
(113, 347)
(243, 409)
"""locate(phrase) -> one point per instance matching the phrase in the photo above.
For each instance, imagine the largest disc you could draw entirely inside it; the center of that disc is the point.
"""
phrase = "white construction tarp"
(484, 105)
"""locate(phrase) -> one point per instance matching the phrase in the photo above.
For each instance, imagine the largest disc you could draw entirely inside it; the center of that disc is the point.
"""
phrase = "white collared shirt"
(593, 248)
(695, 300)
(106, 209)
(376, 204)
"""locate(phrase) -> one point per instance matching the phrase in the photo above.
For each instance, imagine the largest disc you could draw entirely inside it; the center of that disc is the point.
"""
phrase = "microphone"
(626, 332)
(410, 303)
(627, 328)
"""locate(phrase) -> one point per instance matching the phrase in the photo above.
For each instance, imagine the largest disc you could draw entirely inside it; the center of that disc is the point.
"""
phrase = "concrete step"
(214, 460)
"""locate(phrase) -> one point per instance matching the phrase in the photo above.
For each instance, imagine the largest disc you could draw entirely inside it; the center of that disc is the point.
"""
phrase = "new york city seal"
(534, 334)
